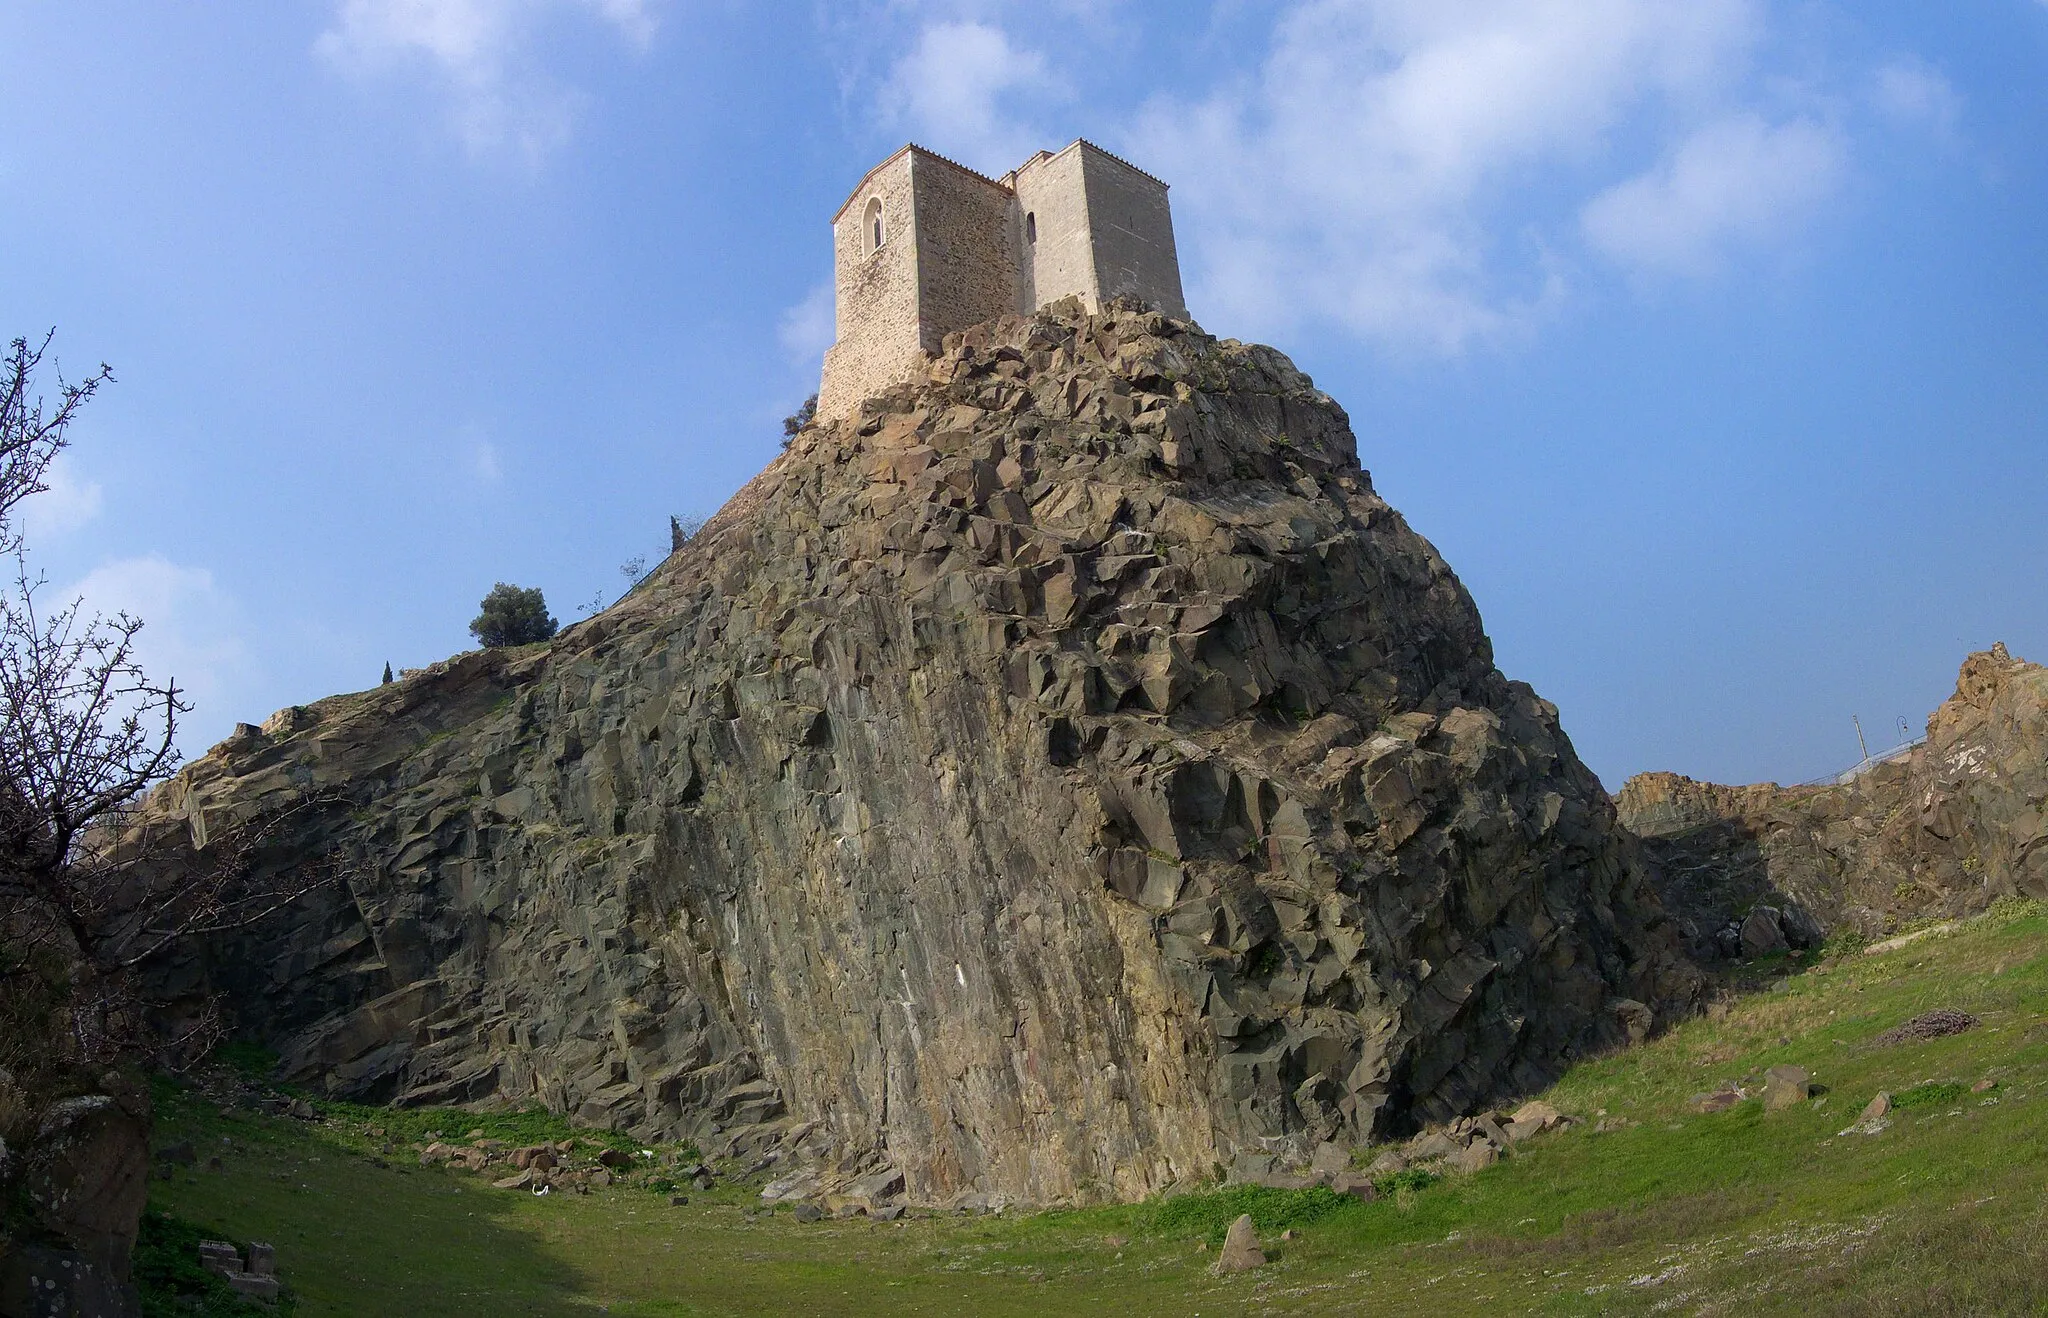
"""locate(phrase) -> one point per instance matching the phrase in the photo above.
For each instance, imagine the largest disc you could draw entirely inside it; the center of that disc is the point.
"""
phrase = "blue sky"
(1707, 339)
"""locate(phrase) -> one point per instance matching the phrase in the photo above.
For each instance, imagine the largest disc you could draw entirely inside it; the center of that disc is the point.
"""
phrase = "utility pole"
(1861, 745)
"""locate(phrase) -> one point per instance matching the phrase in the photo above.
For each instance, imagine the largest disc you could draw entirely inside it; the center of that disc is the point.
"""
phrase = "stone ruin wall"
(875, 294)
(966, 265)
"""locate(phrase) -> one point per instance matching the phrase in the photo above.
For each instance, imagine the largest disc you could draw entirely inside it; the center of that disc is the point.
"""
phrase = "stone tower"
(924, 247)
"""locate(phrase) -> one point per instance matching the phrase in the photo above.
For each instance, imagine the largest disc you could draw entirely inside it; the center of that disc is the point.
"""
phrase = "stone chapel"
(925, 246)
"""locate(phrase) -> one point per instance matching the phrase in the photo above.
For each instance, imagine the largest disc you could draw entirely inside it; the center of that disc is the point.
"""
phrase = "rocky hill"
(1062, 779)
(1936, 834)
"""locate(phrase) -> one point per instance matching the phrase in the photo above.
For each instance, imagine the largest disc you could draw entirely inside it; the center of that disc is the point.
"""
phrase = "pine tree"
(512, 616)
(387, 672)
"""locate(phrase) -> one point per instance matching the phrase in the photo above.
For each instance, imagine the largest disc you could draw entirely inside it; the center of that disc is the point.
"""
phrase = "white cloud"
(483, 50)
(959, 89)
(192, 632)
(1739, 180)
(1363, 175)
(71, 501)
(1910, 93)
(807, 328)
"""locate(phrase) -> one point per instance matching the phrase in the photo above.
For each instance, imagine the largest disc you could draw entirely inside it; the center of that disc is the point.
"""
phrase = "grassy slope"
(1737, 1212)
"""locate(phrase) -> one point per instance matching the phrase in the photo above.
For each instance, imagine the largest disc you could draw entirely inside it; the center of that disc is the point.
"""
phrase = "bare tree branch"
(87, 894)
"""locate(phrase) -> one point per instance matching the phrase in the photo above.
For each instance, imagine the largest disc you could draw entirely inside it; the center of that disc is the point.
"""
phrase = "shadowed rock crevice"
(1058, 779)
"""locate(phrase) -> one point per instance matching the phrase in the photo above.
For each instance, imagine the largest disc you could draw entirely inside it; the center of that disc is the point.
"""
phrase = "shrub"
(797, 420)
(512, 616)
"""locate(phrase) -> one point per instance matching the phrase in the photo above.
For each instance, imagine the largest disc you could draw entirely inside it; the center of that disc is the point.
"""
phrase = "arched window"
(1031, 226)
(873, 225)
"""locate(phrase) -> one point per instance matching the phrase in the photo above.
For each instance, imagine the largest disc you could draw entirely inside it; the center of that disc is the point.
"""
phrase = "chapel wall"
(966, 264)
(1061, 262)
(875, 293)
(1132, 231)
(960, 249)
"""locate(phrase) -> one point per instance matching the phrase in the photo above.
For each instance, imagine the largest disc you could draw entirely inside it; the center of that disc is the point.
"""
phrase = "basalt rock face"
(74, 1182)
(1939, 832)
(1062, 778)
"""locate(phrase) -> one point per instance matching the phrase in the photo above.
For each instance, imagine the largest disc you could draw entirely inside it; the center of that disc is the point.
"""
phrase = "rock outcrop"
(73, 1187)
(1058, 780)
(1940, 832)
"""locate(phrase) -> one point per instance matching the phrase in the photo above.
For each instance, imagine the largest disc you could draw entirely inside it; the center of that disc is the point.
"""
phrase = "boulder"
(39, 1278)
(1241, 1252)
(1875, 1117)
(1637, 1020)
(86, 1177)
(1786, 1086)
(1762, 934)
(1330, 1160)
(180, 1154)
(1476, 1156)
(801, 1184)
(877, 1186)
(1432, 1144)
(1356, 1184)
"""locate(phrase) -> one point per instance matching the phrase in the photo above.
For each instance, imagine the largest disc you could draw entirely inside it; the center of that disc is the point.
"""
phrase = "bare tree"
(86, 894)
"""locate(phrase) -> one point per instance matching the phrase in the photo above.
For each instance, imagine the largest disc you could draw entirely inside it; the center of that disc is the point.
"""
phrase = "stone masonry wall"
(966, 266)
(1061, 263)
(1131, 229)
(876, 293)
(1103, 231)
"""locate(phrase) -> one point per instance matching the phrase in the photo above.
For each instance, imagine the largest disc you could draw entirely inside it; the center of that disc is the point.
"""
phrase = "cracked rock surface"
(1939, 832)
(1062, 778)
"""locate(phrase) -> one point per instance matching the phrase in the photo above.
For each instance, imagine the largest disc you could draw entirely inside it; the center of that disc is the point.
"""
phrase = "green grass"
(1647, 1206)
(1932, 1094)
